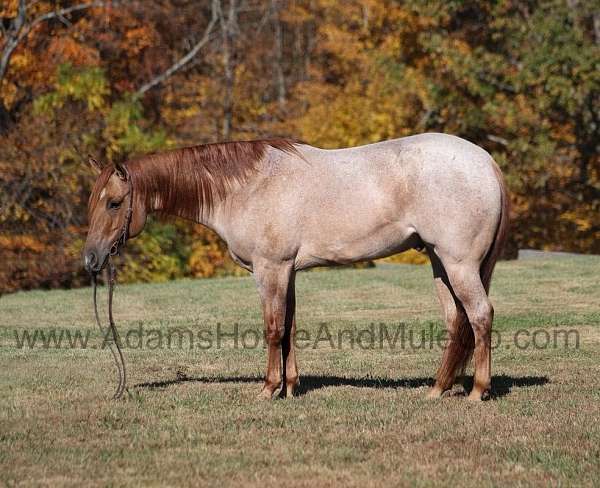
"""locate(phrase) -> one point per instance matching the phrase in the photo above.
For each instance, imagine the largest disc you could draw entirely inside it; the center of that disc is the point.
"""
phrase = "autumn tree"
(118, 78)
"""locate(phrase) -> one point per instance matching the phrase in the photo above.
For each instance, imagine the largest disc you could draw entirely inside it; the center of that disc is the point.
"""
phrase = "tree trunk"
(228, 27)
(5, 118)
(279, 74)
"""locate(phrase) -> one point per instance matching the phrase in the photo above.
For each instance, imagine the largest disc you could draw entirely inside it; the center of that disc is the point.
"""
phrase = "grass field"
(361, 418)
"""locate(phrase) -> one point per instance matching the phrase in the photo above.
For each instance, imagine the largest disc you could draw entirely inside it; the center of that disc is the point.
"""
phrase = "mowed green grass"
(361, 419)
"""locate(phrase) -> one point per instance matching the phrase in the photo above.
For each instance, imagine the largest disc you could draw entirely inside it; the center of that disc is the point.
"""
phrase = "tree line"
(123, 77)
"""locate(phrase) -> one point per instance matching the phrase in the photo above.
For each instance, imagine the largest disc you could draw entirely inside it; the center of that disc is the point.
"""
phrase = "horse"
(283, 206)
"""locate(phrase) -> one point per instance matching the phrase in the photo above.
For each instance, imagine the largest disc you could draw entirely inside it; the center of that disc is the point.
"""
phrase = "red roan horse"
(282, 207)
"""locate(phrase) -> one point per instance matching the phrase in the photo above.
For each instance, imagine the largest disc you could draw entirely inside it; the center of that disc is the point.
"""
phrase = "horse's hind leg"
(460, 335)
(466, 284)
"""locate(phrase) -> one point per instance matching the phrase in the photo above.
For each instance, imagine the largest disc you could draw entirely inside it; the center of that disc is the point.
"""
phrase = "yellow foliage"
(8, 8)
(581, 221)
(209, 259)
(412, 256)
(22, 243)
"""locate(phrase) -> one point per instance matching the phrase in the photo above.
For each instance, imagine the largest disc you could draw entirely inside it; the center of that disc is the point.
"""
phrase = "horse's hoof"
(475, 396)
(265, 394)
(434, 393)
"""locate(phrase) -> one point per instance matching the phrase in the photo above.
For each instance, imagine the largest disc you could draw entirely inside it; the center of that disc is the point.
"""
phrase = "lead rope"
(114, 346)
(117, 354)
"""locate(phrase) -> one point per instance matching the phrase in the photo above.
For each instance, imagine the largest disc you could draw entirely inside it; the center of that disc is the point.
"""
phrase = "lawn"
(361, 417)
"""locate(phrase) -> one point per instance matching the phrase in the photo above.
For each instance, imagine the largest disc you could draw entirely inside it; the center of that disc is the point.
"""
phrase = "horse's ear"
(120, 171)
(94, 164)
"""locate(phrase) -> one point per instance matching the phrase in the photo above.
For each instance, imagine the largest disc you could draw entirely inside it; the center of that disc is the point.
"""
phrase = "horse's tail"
(487, 266)
(460, 348)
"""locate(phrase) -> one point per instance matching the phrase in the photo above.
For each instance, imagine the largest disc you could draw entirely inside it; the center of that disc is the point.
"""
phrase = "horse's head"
(115, 213)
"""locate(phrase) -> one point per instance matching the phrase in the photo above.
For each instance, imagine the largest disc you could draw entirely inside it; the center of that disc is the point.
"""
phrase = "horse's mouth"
(104, 263)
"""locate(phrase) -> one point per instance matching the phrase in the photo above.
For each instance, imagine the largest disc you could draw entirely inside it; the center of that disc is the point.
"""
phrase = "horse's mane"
(188, 181)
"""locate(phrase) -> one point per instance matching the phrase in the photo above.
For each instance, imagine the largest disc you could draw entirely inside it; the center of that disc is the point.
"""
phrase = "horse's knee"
(274, 334)
(481, 316)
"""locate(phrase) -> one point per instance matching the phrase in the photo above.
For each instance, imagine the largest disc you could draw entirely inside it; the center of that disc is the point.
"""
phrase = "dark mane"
(190, 180)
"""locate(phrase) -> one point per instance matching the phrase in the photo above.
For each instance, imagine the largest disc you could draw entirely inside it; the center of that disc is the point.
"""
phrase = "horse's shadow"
(501, 385)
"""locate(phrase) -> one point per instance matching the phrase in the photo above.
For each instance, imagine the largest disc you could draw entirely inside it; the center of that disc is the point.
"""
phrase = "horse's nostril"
(91, 260)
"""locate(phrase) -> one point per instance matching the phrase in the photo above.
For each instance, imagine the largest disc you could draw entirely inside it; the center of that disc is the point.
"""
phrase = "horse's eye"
(114, 205)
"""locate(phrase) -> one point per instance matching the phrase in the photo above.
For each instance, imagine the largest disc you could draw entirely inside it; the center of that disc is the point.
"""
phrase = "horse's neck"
(179, 184)
(207, 215)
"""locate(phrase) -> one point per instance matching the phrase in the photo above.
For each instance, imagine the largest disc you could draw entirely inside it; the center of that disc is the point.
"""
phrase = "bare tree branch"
(187, 57)
(65, 11)
(12, 35)
(20, 28)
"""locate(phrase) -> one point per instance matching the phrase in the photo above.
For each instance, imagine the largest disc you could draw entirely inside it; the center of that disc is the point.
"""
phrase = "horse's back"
(431, 148)
(433, 168)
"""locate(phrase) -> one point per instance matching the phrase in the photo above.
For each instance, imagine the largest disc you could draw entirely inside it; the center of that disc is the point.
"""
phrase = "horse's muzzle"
(93, 262)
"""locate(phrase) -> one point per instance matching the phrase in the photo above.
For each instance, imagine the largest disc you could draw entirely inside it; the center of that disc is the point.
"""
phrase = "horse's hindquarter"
(341, 206)
(457, 198)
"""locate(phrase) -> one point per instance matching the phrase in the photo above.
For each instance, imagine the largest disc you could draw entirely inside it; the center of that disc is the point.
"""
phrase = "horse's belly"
(371, 243)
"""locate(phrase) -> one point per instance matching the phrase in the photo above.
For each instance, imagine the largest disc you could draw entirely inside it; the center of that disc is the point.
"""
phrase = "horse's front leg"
(288, 349)
(273, 280)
